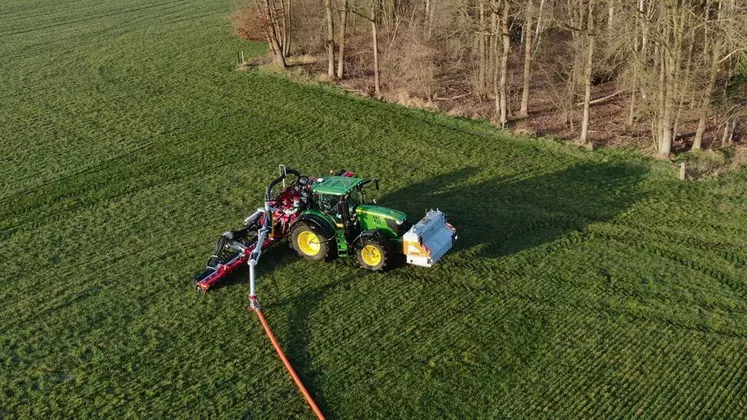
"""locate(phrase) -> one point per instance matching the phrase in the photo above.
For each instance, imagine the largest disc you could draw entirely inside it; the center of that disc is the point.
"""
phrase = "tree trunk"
(538, 26)
(503, 100)
(644, 41)
(494, 30)
(330, 39)
(375, 36)
(588, 68)
(666, 143)
(706, 100)
(491, 67)
(669, 64)
(287, 28)
(431, 18)
(713, 73)
(631, 110)
(685, 85)
(726, 140)
(660, 92)
(524, 111)
(341, 54)
(637, 63)
(273, 34)
(481, 83)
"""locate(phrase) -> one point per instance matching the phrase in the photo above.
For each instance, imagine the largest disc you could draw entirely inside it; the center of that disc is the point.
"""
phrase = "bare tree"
(330, 38)
(683, 85)
(430, 15)
(481, 38)
(287, 26)
(524, 111)
(375, 37)
(501, 99)
(341, 54)
(675, 18)
(673, 59)
(639, 45)
(274, 26)
(588, 68)
(713, 43)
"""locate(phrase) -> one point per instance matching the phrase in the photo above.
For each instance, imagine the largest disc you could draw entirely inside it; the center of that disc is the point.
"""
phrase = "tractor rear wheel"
(372, 254)
(309, 242)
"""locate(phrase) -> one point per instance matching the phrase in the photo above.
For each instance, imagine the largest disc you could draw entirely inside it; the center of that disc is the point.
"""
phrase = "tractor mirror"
(376, 184)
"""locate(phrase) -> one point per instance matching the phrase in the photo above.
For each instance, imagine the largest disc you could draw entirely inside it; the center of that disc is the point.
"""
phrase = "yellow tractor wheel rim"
(308, 242)
(371, 255)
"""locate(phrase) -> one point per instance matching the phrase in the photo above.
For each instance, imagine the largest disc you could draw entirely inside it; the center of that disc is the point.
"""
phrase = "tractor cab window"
(356, 197)
(327, 203)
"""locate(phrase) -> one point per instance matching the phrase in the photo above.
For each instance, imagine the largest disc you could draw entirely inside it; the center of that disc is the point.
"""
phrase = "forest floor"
(591, 284)
(454, 94)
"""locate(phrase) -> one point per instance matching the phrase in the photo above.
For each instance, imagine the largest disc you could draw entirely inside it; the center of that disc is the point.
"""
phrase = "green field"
(583, 284)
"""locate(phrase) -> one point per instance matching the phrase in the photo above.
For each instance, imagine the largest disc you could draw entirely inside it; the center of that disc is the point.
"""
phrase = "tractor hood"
(380, 211)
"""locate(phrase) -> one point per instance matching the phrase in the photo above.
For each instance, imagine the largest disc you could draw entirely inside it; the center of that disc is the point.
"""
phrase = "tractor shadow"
(494, 217)
(504, 215)
(299, 326)
(497, 217)
(299, 307)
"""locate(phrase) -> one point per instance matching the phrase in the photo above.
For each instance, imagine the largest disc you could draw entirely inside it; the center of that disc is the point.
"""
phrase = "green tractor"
(326, 218)
(339, 218)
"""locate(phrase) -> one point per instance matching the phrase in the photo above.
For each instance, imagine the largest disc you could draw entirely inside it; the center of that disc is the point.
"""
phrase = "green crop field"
(584, 283)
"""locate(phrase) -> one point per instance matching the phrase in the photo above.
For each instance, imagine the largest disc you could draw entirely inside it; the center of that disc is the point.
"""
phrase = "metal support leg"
(253, 260)
(253, 302)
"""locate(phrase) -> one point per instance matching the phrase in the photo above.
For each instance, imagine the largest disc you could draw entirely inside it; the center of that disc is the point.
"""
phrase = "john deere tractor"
(329, 217)
(338, 222)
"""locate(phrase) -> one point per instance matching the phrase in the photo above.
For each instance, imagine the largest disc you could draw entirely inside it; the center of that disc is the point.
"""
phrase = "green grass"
(583, 284)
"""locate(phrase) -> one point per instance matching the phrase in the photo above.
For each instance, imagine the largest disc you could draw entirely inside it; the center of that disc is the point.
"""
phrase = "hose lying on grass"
(288, 366)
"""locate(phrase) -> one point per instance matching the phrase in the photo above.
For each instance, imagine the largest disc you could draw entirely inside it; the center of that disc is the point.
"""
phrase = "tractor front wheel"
(372, 254)
(310, 243)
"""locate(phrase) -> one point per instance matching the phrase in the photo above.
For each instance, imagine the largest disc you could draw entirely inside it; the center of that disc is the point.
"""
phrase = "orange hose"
(288, 366)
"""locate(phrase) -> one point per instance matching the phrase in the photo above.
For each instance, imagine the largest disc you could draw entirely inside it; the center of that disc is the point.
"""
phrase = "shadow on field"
(496, 217)
(506, 215)
(299, 334)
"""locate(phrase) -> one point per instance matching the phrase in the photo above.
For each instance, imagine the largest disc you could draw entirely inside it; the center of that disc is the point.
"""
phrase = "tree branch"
(602, 99)
(728, 56)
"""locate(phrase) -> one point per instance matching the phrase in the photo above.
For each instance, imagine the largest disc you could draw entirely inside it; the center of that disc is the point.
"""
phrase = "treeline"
(671, 62)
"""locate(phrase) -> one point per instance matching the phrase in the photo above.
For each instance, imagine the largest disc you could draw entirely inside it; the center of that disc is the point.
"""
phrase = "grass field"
(583, 284)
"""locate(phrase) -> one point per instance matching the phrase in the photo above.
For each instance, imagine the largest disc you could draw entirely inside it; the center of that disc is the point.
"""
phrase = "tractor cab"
(338, 196)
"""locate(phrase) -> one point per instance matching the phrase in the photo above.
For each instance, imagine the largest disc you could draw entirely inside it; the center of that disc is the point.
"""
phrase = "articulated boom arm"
(256, 253)
(261, 230)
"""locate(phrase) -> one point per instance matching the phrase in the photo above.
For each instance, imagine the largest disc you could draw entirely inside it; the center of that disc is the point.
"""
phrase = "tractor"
(329, 217)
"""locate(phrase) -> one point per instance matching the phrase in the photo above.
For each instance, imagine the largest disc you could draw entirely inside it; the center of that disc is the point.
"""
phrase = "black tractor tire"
(316, 250)
(373, 253)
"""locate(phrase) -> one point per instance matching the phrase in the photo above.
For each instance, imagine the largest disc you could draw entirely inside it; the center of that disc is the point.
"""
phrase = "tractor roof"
(336, 185)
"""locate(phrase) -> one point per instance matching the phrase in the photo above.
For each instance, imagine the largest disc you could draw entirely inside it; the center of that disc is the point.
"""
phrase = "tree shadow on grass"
(505, 215)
